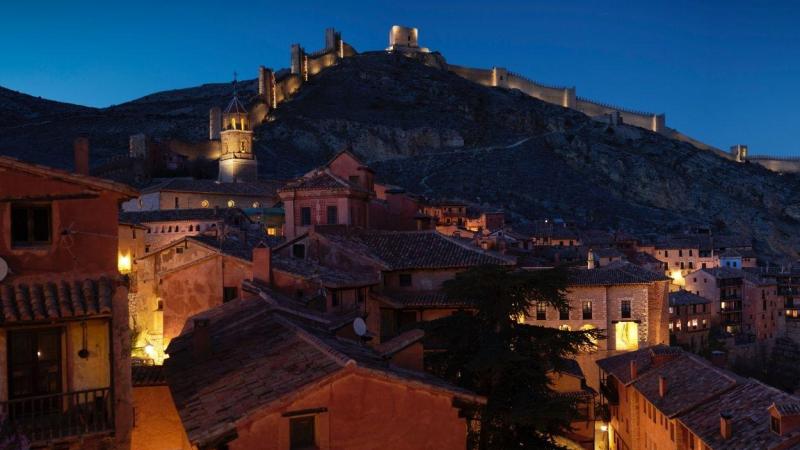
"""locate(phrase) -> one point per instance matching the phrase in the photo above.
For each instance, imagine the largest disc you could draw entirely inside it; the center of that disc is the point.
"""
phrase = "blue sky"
(723, 72)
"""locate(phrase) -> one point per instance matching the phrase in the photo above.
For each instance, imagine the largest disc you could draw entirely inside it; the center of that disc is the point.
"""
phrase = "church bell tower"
(237, 162)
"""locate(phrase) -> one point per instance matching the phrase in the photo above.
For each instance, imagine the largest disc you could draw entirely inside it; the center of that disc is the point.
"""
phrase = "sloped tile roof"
(70, 177)
(238, 246)
(683, 298)
(748, 405)
(259, 356)
(148, 376)
(58, 299)
(327, 276)
(172, 215)
(619, 365)
(403, 250)
(262, 188)
(321, 179)
(690, 381)
(615, 273)
(424, 299)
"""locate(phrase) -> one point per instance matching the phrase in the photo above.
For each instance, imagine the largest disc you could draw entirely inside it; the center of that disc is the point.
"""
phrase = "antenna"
(360, 327)
(3, 269)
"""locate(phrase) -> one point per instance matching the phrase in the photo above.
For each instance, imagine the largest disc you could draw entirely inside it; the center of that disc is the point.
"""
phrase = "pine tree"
(491, 353)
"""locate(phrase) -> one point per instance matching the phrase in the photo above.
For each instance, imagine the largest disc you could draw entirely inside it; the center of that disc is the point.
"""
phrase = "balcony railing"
(58, 416)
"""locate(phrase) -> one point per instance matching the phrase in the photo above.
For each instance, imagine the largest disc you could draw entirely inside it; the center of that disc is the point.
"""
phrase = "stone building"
(187, 193)
(411, 267)
(744, 304)
(237, 161)
(64, 337)
(299, 385)
(689, 319)
(662, 397)
(186, 277)
(158, 228)
(626, 300)
(683, 254)
(157, 424)
(344, 192)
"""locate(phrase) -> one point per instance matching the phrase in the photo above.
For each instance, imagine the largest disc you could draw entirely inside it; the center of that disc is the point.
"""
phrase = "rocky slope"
(439, 135)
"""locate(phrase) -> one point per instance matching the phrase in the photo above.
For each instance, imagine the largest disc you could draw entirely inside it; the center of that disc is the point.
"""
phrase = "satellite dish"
(3, 269)
(359, 326)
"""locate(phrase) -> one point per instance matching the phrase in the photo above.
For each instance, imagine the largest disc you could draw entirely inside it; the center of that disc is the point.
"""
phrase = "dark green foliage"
(492, 354)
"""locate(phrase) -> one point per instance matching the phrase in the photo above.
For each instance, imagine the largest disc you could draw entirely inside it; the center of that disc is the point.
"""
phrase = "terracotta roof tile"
(321, 179)
(327, 276)
(421, 299)
(615, 273)
(682, 298)
(263, 188)
(61, 299)
(148, 376)
(748, 405)
(403, 250)
(259, 356)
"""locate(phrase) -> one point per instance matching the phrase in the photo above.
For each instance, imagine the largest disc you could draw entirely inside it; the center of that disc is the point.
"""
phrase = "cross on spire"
(234, 83)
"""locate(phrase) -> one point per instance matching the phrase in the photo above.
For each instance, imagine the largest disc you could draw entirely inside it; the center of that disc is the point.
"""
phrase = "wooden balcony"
(60, 416)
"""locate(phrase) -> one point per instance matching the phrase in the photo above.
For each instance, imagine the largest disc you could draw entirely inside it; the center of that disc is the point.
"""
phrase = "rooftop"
(683, 298)
(173, 215)
(327, 276)
(747, 404)
(619, 272)
(254, 188)
(403, 250)
(237, 245)
(260, 355)
(320, 179)
(55, 300)
(425, 299)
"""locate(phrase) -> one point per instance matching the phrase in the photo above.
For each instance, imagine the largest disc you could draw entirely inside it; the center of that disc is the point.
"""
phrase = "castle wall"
(316, 64)
(557, 95)
(480, 76)
(649, 121)
(778, 165)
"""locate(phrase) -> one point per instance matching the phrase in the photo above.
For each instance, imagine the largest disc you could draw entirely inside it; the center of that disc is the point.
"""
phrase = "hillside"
(439, 135)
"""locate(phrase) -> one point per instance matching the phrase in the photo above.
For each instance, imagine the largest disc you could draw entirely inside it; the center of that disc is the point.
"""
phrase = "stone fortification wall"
(646, 120)
(777, 164)
(480, 76)
(558, 95)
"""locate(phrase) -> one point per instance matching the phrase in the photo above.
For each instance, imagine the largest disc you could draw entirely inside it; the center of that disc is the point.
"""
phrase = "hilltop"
(440, 135)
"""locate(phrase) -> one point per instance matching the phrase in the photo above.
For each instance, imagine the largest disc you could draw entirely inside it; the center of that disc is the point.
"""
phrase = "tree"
(491, 353)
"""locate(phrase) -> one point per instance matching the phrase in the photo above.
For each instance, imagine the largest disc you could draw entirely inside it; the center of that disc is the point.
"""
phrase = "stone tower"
(237, 162)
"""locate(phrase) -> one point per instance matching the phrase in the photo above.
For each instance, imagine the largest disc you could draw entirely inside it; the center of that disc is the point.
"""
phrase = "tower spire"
(234, 82)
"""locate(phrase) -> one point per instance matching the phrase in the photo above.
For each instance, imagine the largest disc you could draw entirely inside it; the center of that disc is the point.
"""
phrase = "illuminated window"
(587, 310)
(242, 147)
(627, 335)
(564, 328)
(231, 203)
(256, 205)
(271, 231)
(204, 203)
(124, 263)
(541, 311)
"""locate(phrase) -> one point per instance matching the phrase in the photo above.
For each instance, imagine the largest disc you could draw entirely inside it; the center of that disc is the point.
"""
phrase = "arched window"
(204, 203)
(190, 228)
(231, 203)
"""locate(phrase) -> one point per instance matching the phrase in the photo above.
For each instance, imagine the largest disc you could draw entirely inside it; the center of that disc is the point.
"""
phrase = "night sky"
(724, 72)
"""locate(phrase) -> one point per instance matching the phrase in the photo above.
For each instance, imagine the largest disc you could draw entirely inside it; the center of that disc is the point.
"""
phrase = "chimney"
(81, 147)
(725, 425)
(262, 263)
(201, 338)
(634, 369)
(662, 386)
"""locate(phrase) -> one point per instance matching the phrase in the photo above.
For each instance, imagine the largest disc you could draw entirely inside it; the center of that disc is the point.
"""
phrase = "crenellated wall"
(777, 164)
